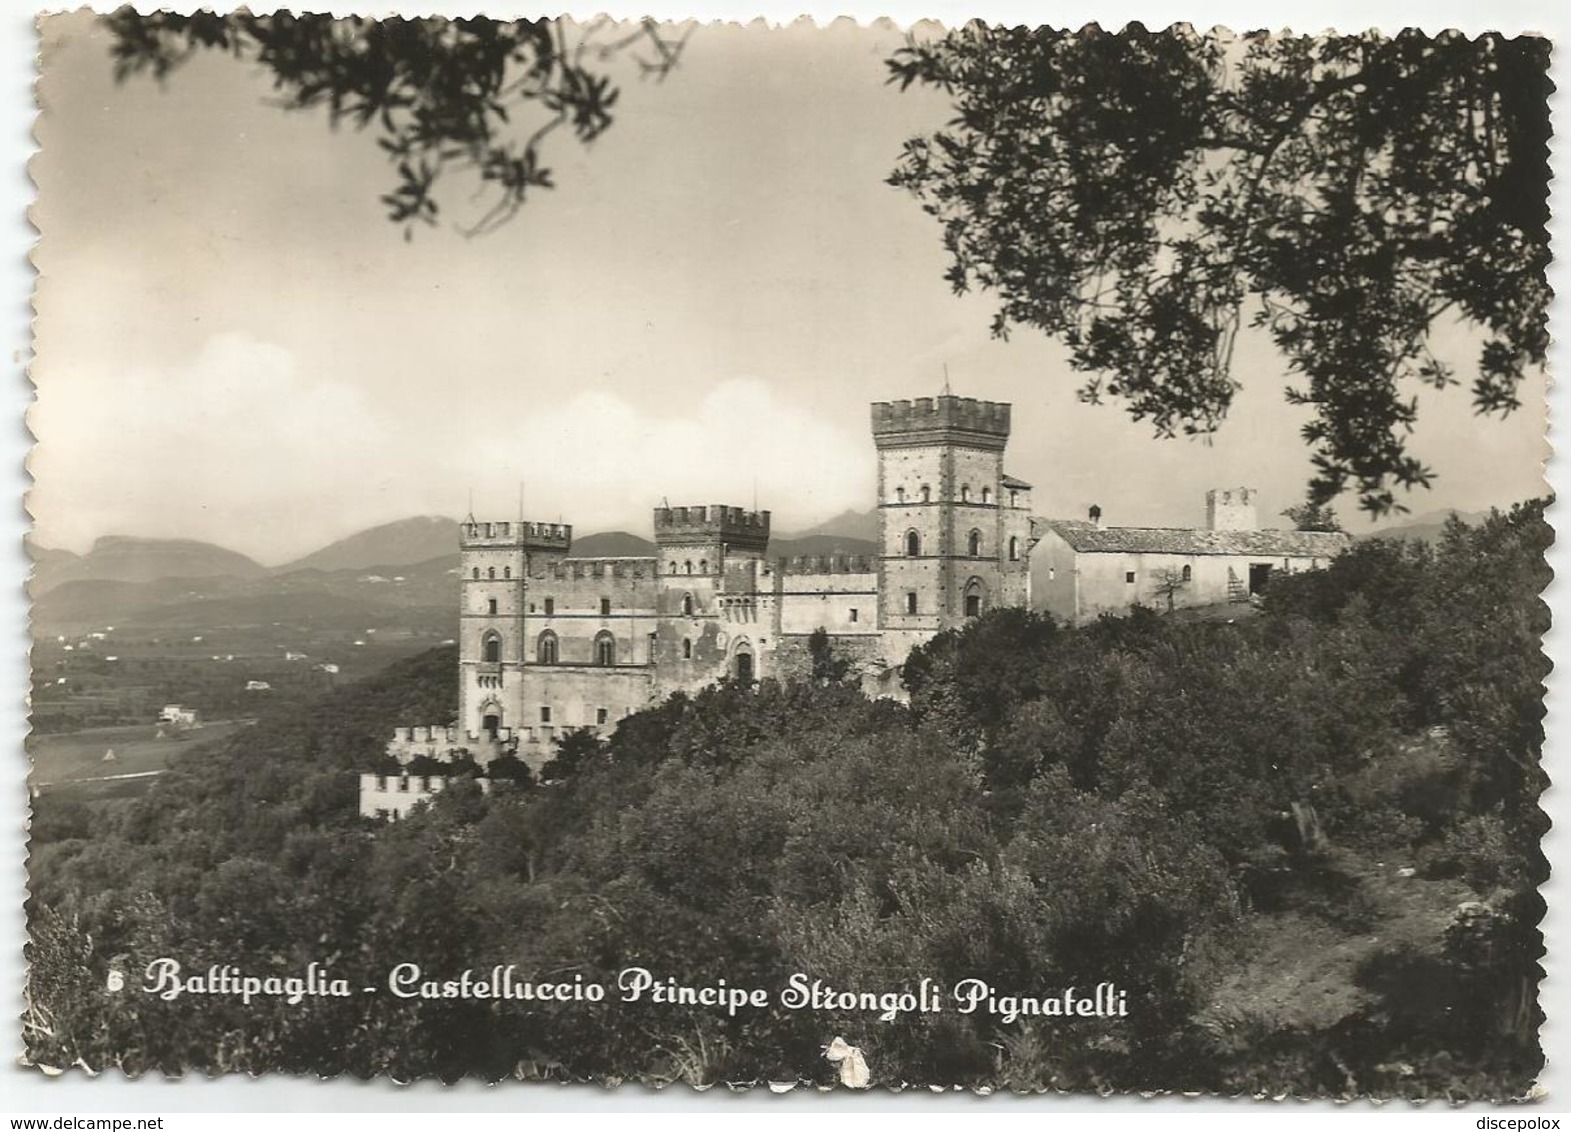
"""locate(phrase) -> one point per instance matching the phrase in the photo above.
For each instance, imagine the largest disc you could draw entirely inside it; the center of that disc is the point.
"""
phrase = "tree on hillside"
(1141, 196)
(476, 96)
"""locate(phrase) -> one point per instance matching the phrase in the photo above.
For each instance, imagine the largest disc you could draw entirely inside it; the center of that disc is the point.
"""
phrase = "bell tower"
(941, 494)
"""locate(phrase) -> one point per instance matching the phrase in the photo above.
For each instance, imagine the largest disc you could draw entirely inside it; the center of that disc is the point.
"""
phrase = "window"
(601, 716)
(1188, 573)
(927, 494)
(1014, 549)
(490, 571)
(652, 644)
(703, 566)
(1129, 577)
(1014, 499)
(507, 571)
(973, 605)
(477, 573)
(687, 605)
(605, 649)
(965, 493)
(550, 606)
(900, 495)
(490, 606)
(605, 607)
(854, 615)
(673, 568)
(491, 648)
(531, 607)
(545, 648)
(687, 649)
(974, 544)
(545, 715)
(913, 544)
(911, 601)
(987, 495)
(688, 567)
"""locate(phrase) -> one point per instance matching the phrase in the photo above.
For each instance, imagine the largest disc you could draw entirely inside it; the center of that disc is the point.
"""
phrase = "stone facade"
(1085, 569)
(549, 642)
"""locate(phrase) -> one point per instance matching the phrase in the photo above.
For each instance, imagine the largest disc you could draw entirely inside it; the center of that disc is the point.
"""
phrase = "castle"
(550, 643)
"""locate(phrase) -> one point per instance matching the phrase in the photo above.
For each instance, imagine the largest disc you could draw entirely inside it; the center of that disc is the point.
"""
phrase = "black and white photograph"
(835, 556)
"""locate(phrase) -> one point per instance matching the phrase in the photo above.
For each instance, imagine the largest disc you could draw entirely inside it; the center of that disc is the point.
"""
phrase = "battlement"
(529, 536)
(827, 564)
(941, 420)
(735, 526)
(565, 568)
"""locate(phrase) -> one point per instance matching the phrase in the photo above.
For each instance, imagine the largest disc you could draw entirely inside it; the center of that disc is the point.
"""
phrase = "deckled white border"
(27, 1091)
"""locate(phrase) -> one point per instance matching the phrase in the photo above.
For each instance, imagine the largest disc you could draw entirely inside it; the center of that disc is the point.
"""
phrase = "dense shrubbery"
(1270, 833)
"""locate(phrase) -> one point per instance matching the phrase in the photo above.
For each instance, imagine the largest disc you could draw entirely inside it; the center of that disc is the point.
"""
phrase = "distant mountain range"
(1423, 528)
(427, 540)
(432, 542)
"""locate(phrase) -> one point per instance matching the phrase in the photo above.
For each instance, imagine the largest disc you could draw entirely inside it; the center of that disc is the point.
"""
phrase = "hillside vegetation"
(1305, 845)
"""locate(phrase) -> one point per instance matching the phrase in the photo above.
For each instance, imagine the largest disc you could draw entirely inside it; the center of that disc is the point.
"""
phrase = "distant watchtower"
(495, 562)
(942, 502)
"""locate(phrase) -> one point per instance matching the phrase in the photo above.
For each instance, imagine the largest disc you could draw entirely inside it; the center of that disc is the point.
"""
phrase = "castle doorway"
(1259, 576)
(742, 666)
(975, 597)
(491, 724)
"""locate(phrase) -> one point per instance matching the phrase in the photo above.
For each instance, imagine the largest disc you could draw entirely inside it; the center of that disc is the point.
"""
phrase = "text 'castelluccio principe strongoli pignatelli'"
(164, 977)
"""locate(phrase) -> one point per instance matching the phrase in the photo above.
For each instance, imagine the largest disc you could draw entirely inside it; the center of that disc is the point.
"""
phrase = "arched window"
(507, 571)
(900, 495)
(687, 605)
(975, 597)
(703, 565)
(927, 494)
(974, 544)
(490, 571)
(545, 648)
(1014, 499)
(605, 649)
(688, 566)
(477, 573)
(965, 493)
(987, 495)
(913, 544)
(1188, 573)
(687, 649)
(1014, 549)
(673, 567)
(491, 648)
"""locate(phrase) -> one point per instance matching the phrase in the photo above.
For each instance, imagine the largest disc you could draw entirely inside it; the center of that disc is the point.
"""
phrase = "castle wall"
(394, 796)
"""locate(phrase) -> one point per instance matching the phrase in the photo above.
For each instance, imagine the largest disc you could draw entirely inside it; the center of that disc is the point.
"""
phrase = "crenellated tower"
(496, 561)
(954, 529)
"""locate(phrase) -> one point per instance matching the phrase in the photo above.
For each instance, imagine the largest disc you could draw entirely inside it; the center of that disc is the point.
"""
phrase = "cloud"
(599, 461)
(237, 446)
(242, 446)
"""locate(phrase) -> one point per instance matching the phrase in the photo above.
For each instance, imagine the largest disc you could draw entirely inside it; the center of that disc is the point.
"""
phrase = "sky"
(234, 344)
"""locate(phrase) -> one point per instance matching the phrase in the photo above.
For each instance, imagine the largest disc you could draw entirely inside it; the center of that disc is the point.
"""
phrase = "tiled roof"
(1010, 481)
(1088, 538)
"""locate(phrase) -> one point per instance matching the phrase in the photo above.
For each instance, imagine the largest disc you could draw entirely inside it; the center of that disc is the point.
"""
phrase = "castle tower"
(496, 562)
(1231, 509)
(700, 541)
(705, 553)
(954, 530)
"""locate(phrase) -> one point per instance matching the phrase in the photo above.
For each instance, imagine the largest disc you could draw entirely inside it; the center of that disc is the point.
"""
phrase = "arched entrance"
(975, 597)
(490, 718)
(742, 663)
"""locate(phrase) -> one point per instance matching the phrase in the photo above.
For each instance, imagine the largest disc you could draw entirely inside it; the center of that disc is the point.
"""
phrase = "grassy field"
(77, 757)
